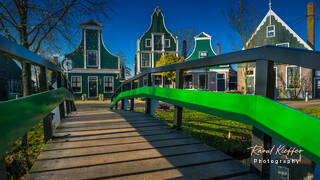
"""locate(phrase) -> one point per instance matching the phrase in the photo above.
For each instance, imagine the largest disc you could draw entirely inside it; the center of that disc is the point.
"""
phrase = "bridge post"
(177, 109)
(59, 85)
(47, 121)
(148, 100)
(265, 86)
(132, 100)
(122, 100)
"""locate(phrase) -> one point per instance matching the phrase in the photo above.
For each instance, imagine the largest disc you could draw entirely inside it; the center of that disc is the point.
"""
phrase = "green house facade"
(156, 41)
(93, 70)
(289, 78)
(210, 79)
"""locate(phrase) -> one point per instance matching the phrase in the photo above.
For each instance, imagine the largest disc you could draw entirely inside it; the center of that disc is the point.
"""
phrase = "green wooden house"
(211, 79)
(156, 41)
(290, 79)
(95, 71)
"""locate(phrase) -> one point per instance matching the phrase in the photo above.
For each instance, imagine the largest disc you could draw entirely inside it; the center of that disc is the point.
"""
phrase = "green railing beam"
(290, 126)
(18, 116)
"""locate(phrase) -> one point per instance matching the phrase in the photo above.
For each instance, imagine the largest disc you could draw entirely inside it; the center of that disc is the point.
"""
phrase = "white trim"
(147, 43)
(97, 61)
(271, 13)
(85, 49)
(99, 49)
(97, 81)
(104, 85)
(286, 75)
(208, 36)
(281, 44)
(95, 72)
(274, 31)
(80, 83)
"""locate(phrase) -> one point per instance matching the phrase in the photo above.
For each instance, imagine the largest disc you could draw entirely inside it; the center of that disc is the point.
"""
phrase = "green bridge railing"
(20, 115)
(290, 126)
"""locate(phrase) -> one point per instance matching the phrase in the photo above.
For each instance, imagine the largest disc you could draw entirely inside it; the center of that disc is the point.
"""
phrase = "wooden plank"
(110, 142)
(115, 148)
(130, 167)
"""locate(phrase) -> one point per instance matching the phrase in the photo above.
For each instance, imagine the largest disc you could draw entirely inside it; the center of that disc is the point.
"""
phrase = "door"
(317, 88)
(93, 86)
(221, 82)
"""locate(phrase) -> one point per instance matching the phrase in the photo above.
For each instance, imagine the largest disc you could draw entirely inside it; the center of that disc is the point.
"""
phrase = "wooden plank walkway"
(96, 143)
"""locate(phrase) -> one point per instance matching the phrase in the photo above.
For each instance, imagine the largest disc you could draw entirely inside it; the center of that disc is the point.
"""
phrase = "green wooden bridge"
(96, 142)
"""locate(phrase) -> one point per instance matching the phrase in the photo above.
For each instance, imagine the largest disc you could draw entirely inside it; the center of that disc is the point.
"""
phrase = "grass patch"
(19, 160)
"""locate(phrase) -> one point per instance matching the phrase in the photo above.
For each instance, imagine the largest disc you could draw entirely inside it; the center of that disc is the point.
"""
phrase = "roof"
(9, 69)
(91, 22)
(203, 35)
(277, 18)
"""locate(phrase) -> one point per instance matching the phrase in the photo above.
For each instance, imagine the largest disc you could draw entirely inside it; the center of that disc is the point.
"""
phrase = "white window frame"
(97, 86)
(274, 31)
(150, 58)
(203, 52)
(207, 76)
(104, 84)
(162, 41)
(281, 44)
(287, 75)
(97, 58)
(225, 81)
(80, 83)
(169, 44)
(147, 43)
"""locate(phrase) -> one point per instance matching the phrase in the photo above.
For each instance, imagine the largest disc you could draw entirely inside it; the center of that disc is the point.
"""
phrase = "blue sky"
(131, 18)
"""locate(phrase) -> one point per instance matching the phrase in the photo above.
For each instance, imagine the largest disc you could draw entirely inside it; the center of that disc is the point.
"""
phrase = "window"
(108, 84)
(293, 77)
(92, 58)
(271, 31)
(148, 42)
(203, 54)
(145, 60)
(157, 80)
(76, 84)
(250, 82)
(188, 82)
(203, 81)
(167, 43)
(157, 41)
(283, 44)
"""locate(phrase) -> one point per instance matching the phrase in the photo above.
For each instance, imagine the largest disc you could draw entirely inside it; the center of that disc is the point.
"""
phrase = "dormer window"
(203, 54)
(148, 43)
(167, 43)
(92, 60)
(271, 32)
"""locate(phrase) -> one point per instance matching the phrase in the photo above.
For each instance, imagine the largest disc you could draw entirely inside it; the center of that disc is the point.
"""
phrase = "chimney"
(184, 48)
(310, 24)
(218, 49)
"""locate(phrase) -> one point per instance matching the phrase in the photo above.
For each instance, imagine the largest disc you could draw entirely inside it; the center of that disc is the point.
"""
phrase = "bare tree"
(188, 35)
(40, 25)
(125, 69)
(242, 19)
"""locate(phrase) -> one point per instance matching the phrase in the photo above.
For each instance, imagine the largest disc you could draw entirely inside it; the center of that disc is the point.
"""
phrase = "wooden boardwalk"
(95, 143)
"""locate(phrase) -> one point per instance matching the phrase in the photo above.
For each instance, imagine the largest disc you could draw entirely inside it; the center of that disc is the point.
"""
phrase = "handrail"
(293, 56)
(18, 116)
(290, 126)
(20, 53)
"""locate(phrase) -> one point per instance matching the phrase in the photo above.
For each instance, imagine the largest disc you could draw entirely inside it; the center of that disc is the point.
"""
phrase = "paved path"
(96, 143)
